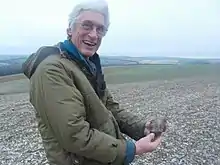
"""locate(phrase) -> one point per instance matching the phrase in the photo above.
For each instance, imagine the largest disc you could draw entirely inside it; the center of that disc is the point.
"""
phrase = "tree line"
(10, 69)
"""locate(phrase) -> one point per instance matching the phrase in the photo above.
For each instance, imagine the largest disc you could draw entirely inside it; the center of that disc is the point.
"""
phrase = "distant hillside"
(11, 64)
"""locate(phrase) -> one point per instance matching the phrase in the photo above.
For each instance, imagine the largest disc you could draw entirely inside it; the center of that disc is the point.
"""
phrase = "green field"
(125, 74)
(118, 75)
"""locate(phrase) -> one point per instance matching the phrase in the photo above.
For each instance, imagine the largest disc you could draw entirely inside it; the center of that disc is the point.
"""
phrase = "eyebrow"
(89, 21)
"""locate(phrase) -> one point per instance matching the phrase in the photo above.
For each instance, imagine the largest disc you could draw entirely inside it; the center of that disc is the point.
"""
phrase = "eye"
(100, 29)
(87, 26)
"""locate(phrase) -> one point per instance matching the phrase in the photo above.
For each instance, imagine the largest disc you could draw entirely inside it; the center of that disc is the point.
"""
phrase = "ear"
(69, 31)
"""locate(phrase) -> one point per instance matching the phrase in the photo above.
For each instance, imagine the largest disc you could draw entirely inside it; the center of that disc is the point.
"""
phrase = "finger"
(157, 141)
(151, 136)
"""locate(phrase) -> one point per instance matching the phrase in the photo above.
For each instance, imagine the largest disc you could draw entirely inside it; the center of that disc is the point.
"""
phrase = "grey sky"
(140, 27)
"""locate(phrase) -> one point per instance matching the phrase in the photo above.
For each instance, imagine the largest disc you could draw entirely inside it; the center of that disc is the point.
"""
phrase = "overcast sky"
(138, 27)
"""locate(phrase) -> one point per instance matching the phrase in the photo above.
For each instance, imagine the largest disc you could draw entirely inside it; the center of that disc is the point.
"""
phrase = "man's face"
(88, 32)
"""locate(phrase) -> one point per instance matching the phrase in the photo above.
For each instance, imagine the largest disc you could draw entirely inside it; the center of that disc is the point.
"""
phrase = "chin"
(88, 53)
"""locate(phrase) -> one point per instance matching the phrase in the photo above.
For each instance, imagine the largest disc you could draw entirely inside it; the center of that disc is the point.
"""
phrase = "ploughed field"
(189, 96)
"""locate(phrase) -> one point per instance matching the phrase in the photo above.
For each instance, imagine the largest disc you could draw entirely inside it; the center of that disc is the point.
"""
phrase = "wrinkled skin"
(82, 32)
(156, 126)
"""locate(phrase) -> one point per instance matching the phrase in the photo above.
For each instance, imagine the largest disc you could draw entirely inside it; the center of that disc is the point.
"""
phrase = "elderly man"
(78, 119)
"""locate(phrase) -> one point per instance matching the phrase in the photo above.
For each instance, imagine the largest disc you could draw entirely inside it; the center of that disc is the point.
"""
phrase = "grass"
(11, 78)
(14, 86)
(119, 75)
(124, 74)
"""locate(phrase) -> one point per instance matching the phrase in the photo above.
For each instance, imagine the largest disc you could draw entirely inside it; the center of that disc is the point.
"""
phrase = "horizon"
(114, 55)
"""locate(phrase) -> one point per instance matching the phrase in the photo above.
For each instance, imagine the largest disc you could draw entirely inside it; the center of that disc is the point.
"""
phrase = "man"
(78, 119)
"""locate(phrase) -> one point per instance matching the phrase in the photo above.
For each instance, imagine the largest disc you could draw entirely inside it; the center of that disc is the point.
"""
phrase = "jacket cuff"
(130, 152)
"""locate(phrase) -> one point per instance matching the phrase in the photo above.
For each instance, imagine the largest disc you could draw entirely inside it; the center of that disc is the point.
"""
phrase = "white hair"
(100, 6)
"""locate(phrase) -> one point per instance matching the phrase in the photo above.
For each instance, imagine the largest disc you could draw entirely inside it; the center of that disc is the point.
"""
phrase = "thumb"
(151, 136)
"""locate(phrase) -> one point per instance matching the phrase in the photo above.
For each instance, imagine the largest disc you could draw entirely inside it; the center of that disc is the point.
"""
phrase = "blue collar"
(73, 52)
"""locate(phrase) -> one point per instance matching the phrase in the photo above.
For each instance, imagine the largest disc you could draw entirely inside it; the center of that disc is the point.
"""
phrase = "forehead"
(92, 16)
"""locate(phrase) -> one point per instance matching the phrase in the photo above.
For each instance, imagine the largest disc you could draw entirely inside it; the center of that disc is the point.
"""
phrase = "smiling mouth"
(88, 43)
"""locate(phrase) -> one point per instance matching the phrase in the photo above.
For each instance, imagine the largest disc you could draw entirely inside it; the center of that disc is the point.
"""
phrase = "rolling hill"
(11, 64)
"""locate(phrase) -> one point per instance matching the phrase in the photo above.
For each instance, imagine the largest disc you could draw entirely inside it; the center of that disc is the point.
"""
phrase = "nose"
(93, 34)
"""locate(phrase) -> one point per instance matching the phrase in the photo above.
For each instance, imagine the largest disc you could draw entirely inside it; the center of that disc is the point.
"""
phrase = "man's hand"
(147, 144)
(156, 126)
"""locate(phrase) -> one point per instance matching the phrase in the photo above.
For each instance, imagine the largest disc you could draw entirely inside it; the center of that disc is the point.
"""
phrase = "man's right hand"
(147, 144)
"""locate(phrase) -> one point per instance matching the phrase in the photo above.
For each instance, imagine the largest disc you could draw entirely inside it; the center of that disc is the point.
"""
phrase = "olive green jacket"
(76, 126)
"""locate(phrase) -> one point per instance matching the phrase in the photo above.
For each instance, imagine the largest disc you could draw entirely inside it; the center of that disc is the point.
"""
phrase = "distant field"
(118, 75)
(124, 74)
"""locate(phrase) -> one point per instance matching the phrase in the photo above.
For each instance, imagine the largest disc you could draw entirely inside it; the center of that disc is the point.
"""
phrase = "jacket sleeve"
(65, 113)
(129, 123)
